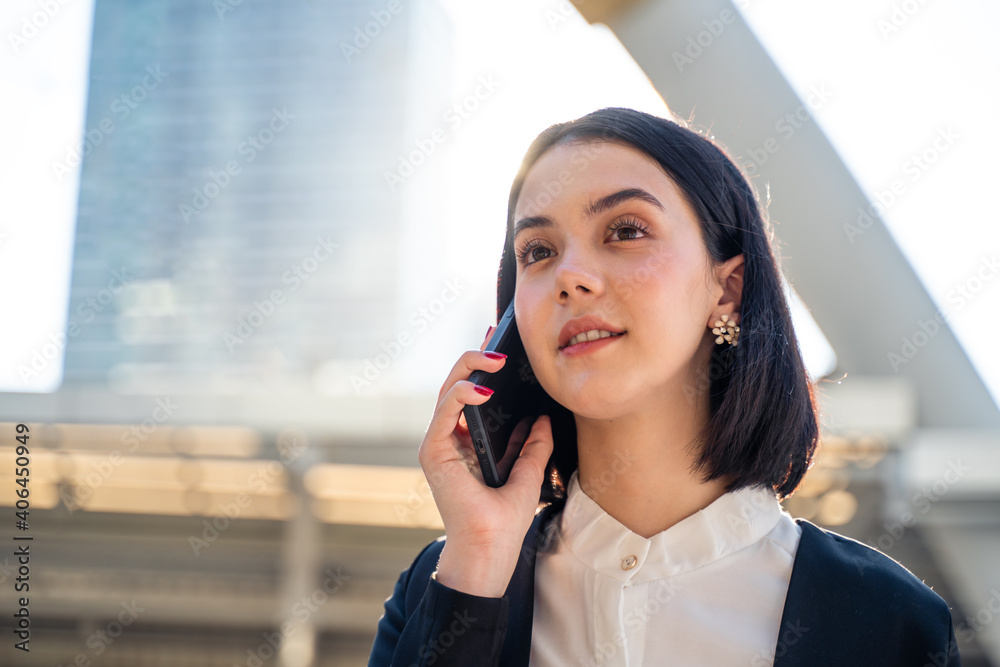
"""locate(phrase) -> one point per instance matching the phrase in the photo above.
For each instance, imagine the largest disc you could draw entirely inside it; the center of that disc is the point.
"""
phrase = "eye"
(627, 223)
(630, 224)
(527, 249)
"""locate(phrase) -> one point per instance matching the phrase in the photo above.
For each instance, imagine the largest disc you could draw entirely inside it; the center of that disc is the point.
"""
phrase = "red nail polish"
(495, 355)
(483, 390)
(488, 332)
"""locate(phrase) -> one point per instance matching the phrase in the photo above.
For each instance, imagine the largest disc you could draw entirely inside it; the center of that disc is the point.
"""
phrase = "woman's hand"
(485, 527)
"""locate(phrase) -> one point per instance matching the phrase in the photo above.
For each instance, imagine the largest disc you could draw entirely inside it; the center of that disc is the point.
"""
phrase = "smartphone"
(500, 426)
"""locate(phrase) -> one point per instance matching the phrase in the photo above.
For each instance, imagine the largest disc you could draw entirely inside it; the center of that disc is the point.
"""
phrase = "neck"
(637, 466)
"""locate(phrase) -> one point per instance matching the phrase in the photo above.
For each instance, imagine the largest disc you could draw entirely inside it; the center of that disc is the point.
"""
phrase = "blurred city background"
(242, 243)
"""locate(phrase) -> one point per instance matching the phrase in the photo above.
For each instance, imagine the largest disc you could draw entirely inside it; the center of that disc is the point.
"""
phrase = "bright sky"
(44, 63)
(918, 85)
(899, 87)
(553, 67)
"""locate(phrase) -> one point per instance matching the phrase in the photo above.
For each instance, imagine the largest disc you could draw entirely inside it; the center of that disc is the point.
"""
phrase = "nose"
(577, 275)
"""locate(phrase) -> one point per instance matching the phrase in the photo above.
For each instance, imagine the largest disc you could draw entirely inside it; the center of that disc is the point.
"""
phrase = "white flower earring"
(726, 331)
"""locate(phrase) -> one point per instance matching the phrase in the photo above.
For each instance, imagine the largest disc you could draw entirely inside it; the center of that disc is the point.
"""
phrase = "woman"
(649, 302)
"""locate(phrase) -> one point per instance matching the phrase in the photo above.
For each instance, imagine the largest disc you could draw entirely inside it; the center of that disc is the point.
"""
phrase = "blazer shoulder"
(851, 604)
(861, 572)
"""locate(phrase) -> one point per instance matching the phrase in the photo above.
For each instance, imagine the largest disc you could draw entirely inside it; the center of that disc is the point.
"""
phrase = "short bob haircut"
(763, 427)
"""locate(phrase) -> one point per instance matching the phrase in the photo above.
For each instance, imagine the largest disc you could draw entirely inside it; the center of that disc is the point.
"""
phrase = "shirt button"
(629, 562)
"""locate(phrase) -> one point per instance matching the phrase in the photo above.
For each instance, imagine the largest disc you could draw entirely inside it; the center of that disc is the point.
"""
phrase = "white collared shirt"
(707, 591)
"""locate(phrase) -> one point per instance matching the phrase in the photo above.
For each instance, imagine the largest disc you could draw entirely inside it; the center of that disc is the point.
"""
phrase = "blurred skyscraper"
(237, 155)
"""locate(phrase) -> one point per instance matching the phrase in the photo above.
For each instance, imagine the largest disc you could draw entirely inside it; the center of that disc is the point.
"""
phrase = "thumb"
(529, 469)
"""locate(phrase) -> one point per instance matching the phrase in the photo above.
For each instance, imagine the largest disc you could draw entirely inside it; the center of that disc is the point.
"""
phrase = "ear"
(729, 278)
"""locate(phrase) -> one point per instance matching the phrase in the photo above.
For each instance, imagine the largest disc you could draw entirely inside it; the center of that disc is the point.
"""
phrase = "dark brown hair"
(764, 424)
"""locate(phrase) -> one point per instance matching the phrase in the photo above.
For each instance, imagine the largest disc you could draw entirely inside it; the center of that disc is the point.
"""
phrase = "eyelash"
(626, 222)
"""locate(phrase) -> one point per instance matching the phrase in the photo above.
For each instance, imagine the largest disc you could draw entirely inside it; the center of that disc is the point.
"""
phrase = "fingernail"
(488, 332)
(495, 355)
(485, 391)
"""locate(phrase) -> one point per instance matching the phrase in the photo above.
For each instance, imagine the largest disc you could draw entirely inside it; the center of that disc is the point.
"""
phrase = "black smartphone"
(500, 426)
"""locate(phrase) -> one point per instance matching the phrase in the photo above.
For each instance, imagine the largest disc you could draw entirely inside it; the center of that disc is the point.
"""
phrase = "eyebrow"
(594, 208)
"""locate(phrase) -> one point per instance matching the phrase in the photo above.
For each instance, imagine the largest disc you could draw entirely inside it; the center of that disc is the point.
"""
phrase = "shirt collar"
(732, 522)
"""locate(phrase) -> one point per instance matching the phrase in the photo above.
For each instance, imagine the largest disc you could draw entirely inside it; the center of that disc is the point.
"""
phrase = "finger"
(448, 382)
(471, 360)
(529, 469)
(489, 335)
(445, 419)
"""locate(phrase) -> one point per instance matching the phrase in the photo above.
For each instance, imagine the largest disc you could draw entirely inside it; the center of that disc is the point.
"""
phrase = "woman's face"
(637, 262)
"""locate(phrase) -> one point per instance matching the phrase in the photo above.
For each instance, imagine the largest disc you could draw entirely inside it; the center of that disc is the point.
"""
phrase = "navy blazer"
(847, 604)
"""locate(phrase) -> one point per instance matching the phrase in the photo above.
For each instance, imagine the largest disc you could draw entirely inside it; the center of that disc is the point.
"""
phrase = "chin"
(594, 406)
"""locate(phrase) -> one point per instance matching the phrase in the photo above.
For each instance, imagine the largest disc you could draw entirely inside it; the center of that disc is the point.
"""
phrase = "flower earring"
(726, 331)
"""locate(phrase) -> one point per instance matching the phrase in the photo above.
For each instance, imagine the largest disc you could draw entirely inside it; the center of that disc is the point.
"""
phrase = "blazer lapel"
(521, 591)
(821, 609)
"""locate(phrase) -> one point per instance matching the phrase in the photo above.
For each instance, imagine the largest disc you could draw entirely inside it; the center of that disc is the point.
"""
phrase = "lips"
(582, 325)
